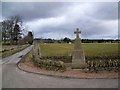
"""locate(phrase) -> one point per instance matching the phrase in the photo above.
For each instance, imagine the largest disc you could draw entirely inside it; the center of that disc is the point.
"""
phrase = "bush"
(49, 64)
(68, 59)
(65, 59)
(102, 57)
(99, 65)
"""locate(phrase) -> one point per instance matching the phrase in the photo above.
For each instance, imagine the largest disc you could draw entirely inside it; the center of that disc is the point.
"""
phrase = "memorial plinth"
(78, 57)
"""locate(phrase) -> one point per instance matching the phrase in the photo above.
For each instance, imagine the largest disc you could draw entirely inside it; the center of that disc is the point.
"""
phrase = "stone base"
(78, 64)
(78, 59)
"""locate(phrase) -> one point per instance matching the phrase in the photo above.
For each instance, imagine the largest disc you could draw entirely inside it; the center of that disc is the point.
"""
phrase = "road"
(12, 77)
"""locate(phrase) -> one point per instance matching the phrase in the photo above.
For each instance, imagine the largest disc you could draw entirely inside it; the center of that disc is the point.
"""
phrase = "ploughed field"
(91, 50)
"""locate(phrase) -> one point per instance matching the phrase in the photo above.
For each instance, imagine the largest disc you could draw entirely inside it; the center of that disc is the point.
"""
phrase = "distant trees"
(16, 33)
(66, 40)
(6, 30)
(11, 29)
(30, 37)
(100, 40)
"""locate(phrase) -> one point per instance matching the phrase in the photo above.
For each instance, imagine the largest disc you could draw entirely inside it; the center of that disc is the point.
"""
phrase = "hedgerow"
(49, 64)
(100, 65)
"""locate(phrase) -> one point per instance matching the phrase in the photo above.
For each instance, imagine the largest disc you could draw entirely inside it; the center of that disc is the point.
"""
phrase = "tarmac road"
(12, 77)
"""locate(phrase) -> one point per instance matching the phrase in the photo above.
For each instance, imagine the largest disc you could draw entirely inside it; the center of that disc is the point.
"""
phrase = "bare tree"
(11, 29)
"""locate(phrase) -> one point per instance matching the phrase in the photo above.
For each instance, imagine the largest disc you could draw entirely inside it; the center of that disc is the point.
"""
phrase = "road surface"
(12, 77)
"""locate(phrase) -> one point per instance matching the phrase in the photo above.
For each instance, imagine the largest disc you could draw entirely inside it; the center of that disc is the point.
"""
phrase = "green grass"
(56, 49)
(90, 49)
(29, 56)
(8, 46)
(10, 52)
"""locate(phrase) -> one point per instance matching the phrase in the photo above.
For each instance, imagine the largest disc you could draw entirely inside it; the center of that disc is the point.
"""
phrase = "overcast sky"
(58, 20)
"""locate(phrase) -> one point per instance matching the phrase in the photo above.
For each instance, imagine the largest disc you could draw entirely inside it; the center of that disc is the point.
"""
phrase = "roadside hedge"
(49, 64)
(65, 59)
(100, 65)
(68, 59)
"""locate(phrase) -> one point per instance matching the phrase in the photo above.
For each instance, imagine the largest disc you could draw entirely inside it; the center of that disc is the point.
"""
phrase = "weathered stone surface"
(78, 58)
(37, 50)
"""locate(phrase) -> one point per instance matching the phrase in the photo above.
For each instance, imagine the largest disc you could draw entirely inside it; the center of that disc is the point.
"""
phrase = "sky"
(56, 20)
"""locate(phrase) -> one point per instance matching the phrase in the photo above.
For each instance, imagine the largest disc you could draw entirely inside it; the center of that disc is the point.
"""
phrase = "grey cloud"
(33, 10)
(90, 29)
(105, 10)
(89, 23)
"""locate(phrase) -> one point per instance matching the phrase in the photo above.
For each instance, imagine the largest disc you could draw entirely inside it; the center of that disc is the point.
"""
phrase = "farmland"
(90, 49)
(7, 50)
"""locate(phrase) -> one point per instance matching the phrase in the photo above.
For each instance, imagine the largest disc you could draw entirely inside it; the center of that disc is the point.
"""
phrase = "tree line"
(12, 32)
(68, 40)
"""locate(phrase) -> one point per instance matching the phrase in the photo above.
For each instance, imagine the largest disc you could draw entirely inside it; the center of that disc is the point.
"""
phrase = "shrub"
(99, 65)
(68, 59)
(50, 64)
(65, 59)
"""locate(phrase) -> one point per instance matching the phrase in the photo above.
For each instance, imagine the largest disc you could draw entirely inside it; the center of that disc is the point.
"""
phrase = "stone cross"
(77, 32)
(78, 57)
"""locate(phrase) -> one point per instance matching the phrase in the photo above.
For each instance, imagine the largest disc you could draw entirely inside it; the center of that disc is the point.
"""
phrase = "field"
(7, 50)
(90, 49)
